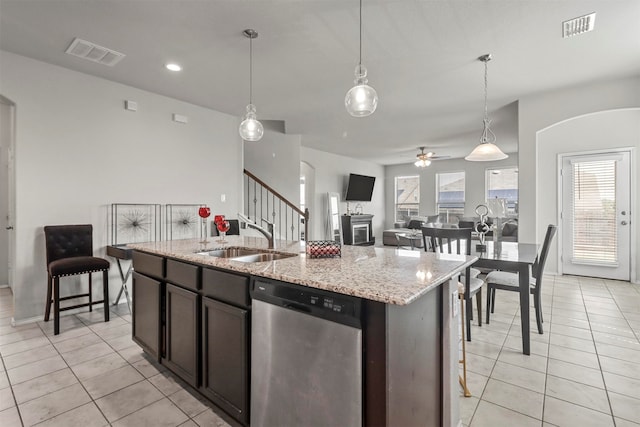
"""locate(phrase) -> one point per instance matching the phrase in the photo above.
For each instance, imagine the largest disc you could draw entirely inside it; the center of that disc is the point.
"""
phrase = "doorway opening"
(7, 189)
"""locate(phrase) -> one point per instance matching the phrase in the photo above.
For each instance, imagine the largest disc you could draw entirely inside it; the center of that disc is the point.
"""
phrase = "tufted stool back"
(67, 241)
(70, 252)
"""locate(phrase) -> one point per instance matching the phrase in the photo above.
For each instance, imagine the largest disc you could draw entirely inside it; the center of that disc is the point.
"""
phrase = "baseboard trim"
(26, 321)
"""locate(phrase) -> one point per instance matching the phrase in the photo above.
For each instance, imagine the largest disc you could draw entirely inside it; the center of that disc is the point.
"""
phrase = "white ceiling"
(421, 57)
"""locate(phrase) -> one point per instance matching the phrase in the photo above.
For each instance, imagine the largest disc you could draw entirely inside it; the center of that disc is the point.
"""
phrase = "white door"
(596, 231)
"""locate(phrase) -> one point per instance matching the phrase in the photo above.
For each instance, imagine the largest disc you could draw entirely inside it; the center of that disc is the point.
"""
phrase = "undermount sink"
(263, 257)
(231, 252)
(246, 254)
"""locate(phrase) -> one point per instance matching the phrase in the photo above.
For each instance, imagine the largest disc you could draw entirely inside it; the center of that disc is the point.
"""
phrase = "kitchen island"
(408, 314)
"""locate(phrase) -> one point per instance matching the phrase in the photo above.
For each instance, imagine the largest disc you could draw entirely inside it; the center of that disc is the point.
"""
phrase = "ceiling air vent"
(579, 25)
(93, 52)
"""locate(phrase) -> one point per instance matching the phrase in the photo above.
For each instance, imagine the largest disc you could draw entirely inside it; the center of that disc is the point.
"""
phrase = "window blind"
(595, 234)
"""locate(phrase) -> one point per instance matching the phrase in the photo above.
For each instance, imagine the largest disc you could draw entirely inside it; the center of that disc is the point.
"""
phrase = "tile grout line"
(606, 388)
(13, 395)
(92, 400)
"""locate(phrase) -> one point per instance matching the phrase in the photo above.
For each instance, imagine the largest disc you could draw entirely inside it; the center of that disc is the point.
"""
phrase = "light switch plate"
(180, 118)
(131, 105)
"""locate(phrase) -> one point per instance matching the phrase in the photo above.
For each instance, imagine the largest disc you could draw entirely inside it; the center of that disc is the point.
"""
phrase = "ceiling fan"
(424, 159)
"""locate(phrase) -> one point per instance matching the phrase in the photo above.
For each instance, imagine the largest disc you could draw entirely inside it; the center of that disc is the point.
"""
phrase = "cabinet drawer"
(183, 274)
(228, 287)
(150, 265)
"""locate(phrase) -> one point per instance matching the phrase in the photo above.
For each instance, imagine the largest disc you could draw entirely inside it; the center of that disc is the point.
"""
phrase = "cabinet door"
(182, 332)
(146, 325)
(225, 357)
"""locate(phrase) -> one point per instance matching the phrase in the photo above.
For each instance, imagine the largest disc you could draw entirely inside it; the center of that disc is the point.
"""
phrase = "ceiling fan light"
(422, 163)
(486, 152)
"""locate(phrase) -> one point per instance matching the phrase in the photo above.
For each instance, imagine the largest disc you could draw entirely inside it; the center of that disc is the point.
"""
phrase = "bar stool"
(70, 252)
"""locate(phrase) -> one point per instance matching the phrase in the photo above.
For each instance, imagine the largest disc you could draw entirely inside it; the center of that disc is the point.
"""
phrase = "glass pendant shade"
(251, 129)
(361, 99)
(486, 152)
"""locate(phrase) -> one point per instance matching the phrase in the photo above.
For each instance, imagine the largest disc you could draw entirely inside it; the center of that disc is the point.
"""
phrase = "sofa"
(415, 224)
(389, 237)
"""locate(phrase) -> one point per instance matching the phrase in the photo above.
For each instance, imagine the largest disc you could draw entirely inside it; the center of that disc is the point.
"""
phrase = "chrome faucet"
(268, 233)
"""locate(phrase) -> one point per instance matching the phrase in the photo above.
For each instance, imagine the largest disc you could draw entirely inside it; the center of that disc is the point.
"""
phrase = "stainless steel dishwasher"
(306, 357)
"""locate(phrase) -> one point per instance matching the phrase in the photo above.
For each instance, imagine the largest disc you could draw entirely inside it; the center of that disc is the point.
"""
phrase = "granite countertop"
(388, 275)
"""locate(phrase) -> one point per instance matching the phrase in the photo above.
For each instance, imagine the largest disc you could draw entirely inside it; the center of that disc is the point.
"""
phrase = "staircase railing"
(263, 202)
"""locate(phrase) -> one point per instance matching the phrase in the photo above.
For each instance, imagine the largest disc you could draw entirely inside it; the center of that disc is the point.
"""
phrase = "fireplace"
(357, 229)
(360, 233)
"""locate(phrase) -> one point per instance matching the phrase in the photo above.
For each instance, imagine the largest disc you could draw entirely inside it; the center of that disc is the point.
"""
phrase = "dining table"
(515, 257)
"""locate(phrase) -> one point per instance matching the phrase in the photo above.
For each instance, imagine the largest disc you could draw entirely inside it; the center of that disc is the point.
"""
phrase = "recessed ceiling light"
(173, 67)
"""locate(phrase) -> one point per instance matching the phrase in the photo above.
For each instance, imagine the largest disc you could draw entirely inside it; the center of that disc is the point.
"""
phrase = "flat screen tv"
(359, 188)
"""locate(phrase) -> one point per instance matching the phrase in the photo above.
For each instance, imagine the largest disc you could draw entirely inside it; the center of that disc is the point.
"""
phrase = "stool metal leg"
(90, 293)
(47, 309)
(123, 288)
(463, 379)
(56, 305)
(105, 291)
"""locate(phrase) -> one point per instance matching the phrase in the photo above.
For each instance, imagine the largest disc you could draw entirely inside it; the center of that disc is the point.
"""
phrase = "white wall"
(78, 150)
(537, 112)
(597, 131)
(332, 172)
(275, 159)
(474, 183)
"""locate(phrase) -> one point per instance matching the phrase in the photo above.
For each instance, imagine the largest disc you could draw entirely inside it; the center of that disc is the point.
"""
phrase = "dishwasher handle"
(296, 307)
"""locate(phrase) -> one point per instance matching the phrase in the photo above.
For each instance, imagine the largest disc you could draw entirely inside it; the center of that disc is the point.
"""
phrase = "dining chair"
(457, 241)
(509, 281)
(69, 250)
(234, 228)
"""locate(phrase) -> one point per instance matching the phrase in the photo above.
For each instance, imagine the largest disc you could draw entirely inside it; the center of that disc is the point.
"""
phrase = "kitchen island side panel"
(415, 361)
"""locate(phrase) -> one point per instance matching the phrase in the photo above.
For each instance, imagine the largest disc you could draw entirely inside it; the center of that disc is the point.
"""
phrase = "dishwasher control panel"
(319, 303)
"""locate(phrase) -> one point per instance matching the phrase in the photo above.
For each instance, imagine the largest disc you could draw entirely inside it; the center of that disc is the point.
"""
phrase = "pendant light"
(250, 129)
(487, 150)
(362, 99)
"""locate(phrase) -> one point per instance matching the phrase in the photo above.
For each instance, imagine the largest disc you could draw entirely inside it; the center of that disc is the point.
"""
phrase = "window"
(450, 193)
(407, 197)
(503, 183)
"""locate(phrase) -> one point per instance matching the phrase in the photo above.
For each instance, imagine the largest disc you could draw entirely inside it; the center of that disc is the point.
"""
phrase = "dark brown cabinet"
(196, 322)
(182, 332)
(146, 315)
(225, 341)
(225, 357)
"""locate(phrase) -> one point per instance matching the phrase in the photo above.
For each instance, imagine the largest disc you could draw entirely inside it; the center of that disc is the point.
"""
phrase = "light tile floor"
(583, 371)
(91, 374)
